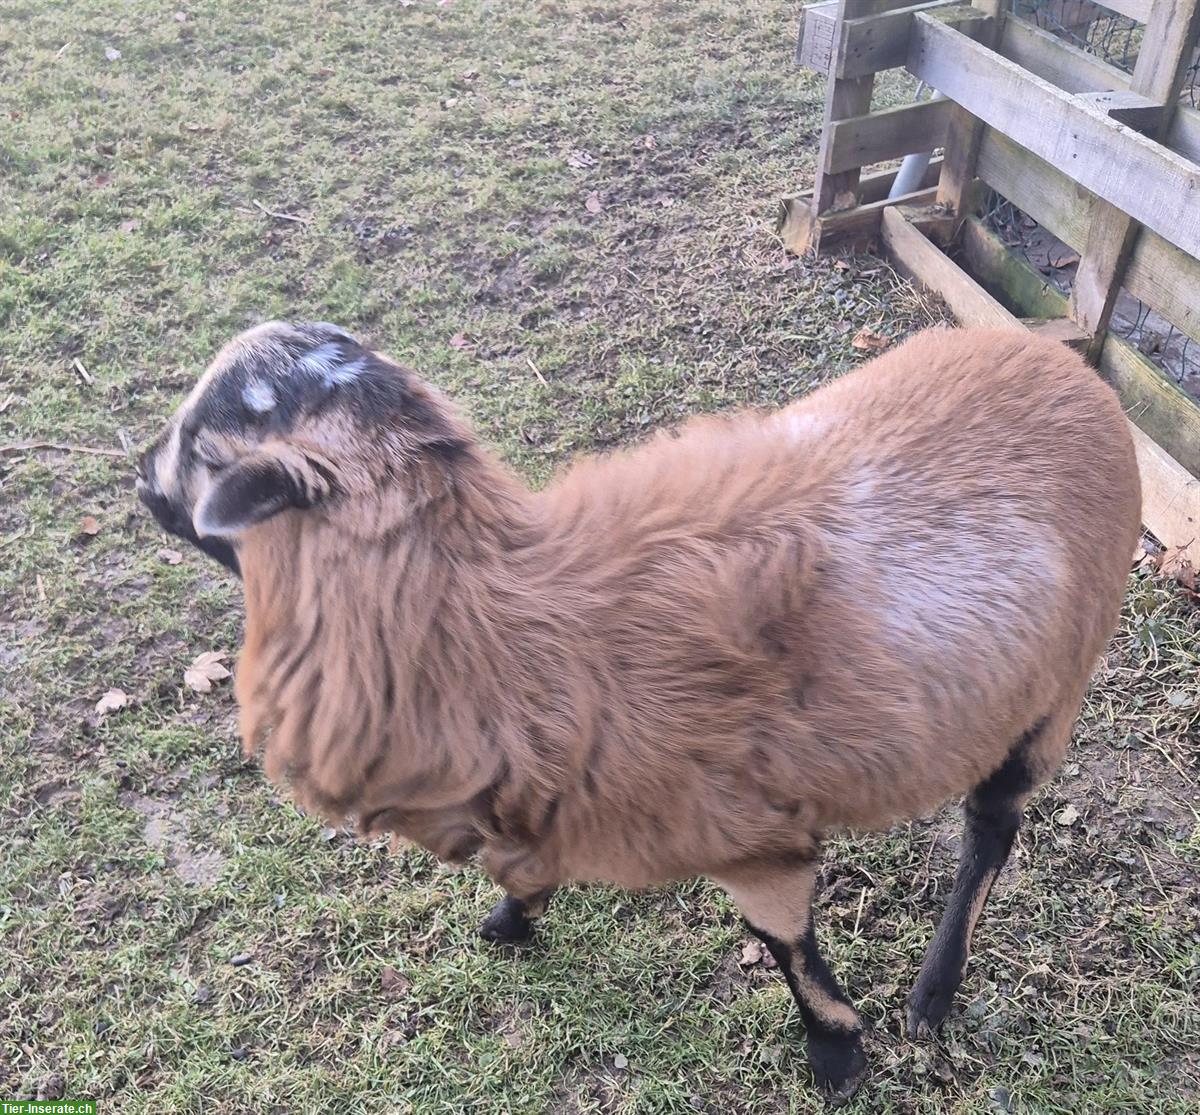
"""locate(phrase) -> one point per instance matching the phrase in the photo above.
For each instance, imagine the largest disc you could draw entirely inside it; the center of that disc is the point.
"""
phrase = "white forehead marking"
(322, 360)
(167, 466)
(258, 396)
(345, 373)
(326, 362)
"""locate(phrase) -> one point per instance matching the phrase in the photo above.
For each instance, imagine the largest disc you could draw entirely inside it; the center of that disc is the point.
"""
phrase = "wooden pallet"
(1106, 161)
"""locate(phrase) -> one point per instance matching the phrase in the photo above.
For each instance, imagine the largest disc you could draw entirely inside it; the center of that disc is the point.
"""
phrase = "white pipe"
(912, 169)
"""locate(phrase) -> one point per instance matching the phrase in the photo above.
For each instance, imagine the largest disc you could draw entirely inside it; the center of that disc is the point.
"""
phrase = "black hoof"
(839, 1065)
(507, 923)
(928, 1006)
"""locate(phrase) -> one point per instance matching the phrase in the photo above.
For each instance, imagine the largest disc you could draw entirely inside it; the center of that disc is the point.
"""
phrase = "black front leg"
(512, 918)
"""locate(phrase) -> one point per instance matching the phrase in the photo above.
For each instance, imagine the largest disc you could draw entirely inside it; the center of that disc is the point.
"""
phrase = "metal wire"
(1116, 39)
(1092, 27)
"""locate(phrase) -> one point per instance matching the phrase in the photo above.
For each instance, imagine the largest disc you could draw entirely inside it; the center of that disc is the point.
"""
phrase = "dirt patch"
(165, 829)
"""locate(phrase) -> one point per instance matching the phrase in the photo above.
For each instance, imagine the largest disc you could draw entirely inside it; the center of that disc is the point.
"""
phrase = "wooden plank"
(814, 42)
(1061, 329)
(1136, 111)
(1170, 494)
(1036, 188)
(1149, 182)
(1158, 273)
(1056, 60)
(963, 137)
(795, 222)
(1170, 416)
(844, 98)
(880, 42)
(1137, 10)
(1170, 497)
(818, 22)
(1076, 71)
(888, 134)
(1163, 59)
(802, 230)
(925, 263)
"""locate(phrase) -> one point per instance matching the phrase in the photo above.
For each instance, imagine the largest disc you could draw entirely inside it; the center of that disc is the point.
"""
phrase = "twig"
(41, 588)
(280, 216)
(82, 372)
(858, 916)
(62, 447)
(62, 49)
(7, 403)
(537, 371)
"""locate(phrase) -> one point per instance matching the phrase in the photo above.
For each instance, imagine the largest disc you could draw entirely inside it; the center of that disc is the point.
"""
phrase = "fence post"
(965, 133)
(1162, 64)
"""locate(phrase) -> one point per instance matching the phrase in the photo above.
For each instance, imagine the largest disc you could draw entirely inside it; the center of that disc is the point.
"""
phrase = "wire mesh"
(1116, 39)
(1099, 31)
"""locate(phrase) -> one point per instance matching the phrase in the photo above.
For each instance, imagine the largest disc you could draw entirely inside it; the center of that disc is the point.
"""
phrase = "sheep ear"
(253, 490)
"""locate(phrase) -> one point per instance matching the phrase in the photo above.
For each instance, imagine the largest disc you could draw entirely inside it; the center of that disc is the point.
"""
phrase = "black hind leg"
(993, 813)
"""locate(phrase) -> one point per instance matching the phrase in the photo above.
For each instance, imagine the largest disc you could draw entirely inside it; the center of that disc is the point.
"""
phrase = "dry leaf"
(449, 102)
(581, 159)
(111, 53)
(130, 225)
(459, 340)
(102, 179)
(752, 953)
(1068, 816)
(593, 203)
(620, 1062)
(111, 701)
(89, 525)
(649, 142)
(393, 982)
(205, 669)
(1175, 563)
(867, 341)
(181, 17)
(171, 557)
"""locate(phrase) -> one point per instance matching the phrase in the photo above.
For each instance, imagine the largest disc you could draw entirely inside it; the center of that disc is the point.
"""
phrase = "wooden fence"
(1106, 161)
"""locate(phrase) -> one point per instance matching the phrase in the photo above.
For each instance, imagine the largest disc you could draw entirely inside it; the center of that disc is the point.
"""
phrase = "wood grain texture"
(1152, 184)
(1169, 415)
(923, 261)
(1076, 71)
(888, 134)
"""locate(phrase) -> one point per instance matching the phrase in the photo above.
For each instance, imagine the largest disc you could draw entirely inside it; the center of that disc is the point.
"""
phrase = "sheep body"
(719, 644)
(693, 657)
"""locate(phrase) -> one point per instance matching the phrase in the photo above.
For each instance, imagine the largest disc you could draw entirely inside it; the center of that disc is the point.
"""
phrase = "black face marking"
(250, 493)
(175, 522)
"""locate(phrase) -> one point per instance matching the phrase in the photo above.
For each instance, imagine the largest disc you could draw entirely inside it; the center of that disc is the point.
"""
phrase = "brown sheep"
(692, 658)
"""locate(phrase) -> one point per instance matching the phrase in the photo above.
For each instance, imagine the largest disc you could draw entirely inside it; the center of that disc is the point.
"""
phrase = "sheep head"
(298, 418)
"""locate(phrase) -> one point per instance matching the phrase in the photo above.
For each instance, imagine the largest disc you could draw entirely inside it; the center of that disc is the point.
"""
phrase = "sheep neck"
(379, 674)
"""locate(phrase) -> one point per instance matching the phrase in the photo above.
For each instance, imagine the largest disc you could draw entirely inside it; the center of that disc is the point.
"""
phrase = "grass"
(439, 160)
